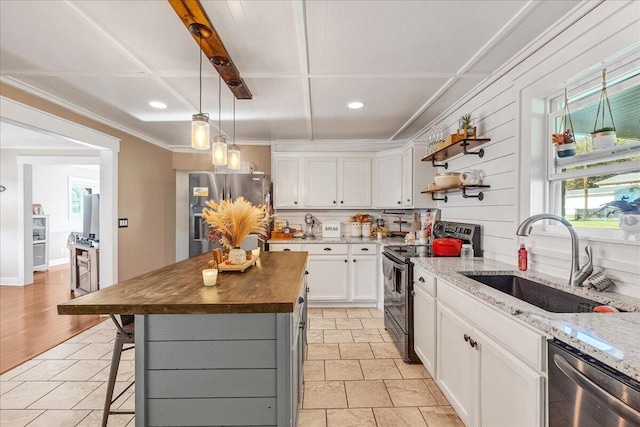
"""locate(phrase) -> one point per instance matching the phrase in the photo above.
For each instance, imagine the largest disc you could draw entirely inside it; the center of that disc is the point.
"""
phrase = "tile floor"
(353, 377)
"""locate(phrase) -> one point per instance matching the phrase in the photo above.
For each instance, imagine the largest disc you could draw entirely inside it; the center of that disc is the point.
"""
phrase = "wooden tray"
(238, 267)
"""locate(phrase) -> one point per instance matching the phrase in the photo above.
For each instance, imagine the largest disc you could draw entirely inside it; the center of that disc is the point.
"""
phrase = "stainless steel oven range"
(397, 271)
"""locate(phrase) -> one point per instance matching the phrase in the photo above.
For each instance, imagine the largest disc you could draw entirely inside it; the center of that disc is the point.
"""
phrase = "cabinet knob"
(341, 201)
(295, 203)
(409, 200)
(300, 300)
(354, 260)
(302, 324)
(286, 250)
(399, 202)
(334, 202)
(364, 249)
(345, 260)
(473, 343)
(466, 338)
(327, 249)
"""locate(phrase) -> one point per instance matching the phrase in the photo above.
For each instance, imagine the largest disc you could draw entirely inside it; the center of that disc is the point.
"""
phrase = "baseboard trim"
(10, 281)
(58, 261)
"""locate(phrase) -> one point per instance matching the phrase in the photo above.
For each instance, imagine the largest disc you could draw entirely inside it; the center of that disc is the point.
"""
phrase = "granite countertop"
(346, 239)
(612, 338)
(272, 285)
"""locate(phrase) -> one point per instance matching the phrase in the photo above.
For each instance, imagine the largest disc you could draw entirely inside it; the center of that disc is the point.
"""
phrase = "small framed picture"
(37, 209)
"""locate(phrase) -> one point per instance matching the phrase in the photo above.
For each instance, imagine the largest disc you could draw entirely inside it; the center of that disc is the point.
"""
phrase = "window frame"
(619, 79)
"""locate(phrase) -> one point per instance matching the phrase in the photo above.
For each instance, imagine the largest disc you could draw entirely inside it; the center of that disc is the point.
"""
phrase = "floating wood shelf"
(463, 188)
(462, 146)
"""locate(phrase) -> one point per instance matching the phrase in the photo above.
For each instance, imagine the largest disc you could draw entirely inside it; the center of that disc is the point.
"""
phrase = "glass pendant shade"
(220, 151)
(200, 132)
(234, 157)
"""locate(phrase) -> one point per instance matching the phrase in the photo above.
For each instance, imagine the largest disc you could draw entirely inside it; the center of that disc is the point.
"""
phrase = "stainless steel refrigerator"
(205, 186)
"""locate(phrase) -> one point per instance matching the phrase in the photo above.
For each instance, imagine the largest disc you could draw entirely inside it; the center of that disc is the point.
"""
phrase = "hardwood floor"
(29, 320)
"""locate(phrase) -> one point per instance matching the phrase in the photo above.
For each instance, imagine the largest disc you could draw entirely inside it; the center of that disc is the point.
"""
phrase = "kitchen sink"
(542, 296)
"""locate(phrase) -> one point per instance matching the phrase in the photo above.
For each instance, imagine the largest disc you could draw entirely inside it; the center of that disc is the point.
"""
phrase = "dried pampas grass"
(235, 220)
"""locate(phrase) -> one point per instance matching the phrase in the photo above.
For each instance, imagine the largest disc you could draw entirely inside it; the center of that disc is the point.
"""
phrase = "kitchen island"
(230, 354)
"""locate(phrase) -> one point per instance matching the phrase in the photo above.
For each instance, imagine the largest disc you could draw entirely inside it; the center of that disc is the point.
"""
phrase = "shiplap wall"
(514, 162)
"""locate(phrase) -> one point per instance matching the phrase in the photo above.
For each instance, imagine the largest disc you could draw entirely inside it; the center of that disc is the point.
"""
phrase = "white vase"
(604, 139)
(629, 223)
(237, 256)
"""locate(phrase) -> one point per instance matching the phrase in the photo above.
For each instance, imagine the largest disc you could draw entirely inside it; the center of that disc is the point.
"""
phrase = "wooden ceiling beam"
(191, 12)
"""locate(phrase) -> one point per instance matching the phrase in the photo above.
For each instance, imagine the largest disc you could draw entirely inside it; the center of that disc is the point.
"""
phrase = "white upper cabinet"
(389, 180)
(286, 182)
(354, 182)
(321, 178)
(407, 177)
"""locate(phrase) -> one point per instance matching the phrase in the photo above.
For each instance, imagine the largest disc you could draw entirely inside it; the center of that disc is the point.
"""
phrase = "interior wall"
(146, 192)
(260, 155)
(514, 164)
(51, 190)
(9, 232)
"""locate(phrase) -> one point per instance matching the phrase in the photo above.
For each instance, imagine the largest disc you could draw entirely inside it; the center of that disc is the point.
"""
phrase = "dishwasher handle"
(616, 405)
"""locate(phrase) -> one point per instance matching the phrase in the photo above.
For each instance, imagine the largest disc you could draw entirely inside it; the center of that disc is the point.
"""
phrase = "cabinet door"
(407, 177)
(328, 276)
(285, 186)
(363, 278)
(321, 181)
(510, 391)
(354, 184)
(389, 182)
(456, 360)
(424, 327)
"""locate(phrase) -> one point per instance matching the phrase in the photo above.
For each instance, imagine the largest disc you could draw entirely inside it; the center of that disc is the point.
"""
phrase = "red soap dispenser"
(522, 258)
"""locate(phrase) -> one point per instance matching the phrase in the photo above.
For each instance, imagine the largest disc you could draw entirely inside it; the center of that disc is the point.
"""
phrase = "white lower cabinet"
(424, 324)
(328, 277)
(484, 381)
(339, 273)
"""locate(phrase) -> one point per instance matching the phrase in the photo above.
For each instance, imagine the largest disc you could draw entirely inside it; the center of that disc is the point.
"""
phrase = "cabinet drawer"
(279, 247)
(364, 249)
(517, 338)
(328, 249)
(424, 280)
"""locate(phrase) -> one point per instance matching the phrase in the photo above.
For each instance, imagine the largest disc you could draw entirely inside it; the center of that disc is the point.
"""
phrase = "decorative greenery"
(563, 138)
(604, 129)
(232, 221)
(465, 121)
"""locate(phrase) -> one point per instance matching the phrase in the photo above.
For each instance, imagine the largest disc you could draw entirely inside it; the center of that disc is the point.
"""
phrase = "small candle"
(210, 276)
(255, 252)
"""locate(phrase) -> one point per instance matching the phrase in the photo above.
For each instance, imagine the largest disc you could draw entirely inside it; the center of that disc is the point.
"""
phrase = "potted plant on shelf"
(232, 221)
(565, 140)
(466, 128)
(604, 136)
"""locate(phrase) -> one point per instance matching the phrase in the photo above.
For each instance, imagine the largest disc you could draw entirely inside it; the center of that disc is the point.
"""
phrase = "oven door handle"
(616, 405)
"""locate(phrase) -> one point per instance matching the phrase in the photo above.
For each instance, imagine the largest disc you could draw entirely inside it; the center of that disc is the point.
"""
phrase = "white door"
(424, 327)
(354, 182)
(363, 278)
(389, 182)
(321, 179)
(407, 177)
(456, 359)
(285, 185)
(328, 277)
(510, 392)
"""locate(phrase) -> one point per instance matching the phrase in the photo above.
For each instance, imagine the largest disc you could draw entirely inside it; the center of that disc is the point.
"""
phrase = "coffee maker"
(309, 221)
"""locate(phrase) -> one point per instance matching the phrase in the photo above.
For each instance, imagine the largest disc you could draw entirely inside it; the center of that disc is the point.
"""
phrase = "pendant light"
(219, 142)
(200, 121)
(234, 150)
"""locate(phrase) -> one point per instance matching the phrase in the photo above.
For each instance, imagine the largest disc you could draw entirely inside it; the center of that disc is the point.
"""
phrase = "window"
(78, 188)
(593, 187)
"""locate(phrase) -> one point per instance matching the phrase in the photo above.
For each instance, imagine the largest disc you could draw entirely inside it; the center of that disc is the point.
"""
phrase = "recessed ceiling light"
(158, 104)
(355, 105)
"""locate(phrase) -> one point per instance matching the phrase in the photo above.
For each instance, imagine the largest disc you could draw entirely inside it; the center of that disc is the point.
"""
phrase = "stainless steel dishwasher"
(585, 392)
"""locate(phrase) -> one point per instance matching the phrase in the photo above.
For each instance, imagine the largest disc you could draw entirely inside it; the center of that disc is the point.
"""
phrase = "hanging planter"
(565, 140)
(604, 136)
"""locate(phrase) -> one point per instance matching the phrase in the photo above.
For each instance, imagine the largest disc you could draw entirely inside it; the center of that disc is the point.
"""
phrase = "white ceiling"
(303, 61)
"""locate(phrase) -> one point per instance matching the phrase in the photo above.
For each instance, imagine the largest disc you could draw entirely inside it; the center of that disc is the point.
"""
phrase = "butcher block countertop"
(272, 285)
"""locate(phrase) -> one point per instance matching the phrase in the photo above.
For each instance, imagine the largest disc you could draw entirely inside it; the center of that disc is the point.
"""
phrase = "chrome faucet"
(577, 275)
